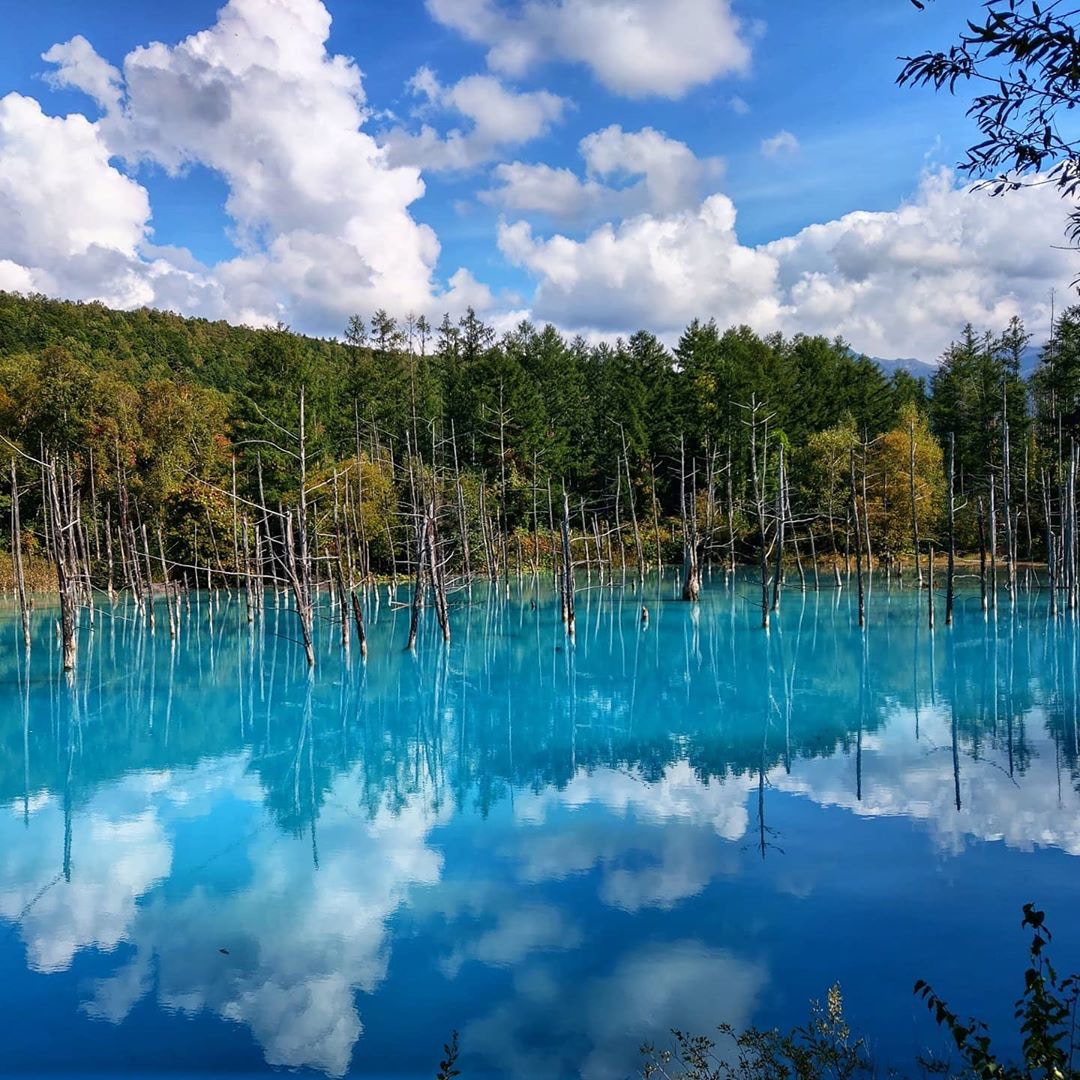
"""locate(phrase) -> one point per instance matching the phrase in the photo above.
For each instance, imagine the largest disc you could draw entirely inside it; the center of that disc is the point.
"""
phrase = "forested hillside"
(171, 415)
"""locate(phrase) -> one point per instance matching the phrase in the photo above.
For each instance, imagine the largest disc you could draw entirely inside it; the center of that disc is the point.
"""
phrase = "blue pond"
(211, 864)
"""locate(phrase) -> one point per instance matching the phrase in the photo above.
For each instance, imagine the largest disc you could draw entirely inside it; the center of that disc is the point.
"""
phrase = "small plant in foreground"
(447, 1067)
(1046, 1009)
(823, 1047)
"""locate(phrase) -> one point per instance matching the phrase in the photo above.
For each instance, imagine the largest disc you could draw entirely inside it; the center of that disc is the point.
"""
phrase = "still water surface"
(210, 863)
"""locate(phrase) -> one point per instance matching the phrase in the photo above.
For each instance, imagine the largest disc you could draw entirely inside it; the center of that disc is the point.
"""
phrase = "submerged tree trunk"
(301, 593)
(418, 589)
(358, 618)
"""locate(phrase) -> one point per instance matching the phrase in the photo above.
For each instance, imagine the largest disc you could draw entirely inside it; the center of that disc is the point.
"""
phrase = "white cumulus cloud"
(320, 214)
(79, 66)
(782, 144)
(496, 116)
(899, 282)
(634, 47)
(626, 172)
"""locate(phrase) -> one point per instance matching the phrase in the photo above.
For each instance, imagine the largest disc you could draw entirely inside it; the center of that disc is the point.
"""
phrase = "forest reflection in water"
(560, 849)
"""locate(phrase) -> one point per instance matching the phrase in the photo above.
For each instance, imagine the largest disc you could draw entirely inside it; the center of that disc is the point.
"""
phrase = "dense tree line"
(178, 413)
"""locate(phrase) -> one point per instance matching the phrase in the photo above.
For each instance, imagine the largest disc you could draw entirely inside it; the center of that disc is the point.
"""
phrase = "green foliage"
(1023, 57)
(1056, 381)
(823, 1047)
(1046, 1010)
(159, 403)
(974, 392)
(447, 1067)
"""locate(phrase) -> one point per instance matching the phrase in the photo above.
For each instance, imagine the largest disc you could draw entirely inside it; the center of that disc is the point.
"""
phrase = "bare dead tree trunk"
(866, 515)
(249, 585)
(463, 526)
(358, 618)
(730, 515)
(301, 593)
(914, 504)
(568, 569)
(1006, 498)
(149, 578)
(1070, 545)
(982, 555)
(638, 549)
(1051, 561)
(343, 601)
(950, 574)
(17, 559)
(1027, 507)
(435, 570)
(585, 545)
(656, 517)
(235, 520)
(618, 526)
(930, 588)
(778, 572)
(94, 507)
(858, 542)
(173, 628)
(418, 590)
(758, 473)
(993, 548)
(691, 589)
(65, 560)
(109, 553)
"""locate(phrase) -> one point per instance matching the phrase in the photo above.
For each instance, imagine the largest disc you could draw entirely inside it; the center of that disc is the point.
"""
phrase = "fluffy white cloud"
(900, 282)
(668, 176)
(687, 264)
(645, 994)
(72, 224)
(782, 144)
(79, 66)
(59, 196)
(904, 282)
(295, 990)
(119, 850)
(634, 47)
(320, 215)
(497, 118)
(903, 777)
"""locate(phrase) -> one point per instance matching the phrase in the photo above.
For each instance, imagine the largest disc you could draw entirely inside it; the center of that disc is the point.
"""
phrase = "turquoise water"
(211, 864)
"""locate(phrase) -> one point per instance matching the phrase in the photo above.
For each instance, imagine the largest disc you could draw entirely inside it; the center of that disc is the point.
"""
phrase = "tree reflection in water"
(550, 838)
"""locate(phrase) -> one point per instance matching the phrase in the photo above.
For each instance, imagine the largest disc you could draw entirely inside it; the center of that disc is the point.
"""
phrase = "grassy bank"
(39, 574)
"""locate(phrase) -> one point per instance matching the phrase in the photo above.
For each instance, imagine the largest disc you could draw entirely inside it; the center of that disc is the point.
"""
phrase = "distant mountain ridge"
(920, 369)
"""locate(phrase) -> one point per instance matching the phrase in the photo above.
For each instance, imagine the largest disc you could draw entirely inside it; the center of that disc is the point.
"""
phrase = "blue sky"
(297, 160)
